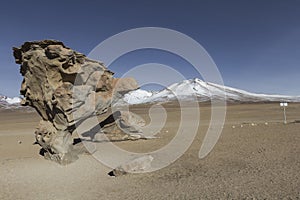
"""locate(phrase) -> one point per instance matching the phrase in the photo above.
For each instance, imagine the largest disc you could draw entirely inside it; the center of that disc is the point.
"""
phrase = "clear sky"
(255, 43)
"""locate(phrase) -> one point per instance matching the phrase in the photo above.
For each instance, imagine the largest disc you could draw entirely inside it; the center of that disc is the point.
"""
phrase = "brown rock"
(65, 88)
(136, 165)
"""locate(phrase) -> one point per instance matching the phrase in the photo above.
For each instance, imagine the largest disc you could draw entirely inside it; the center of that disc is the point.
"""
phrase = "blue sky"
(255, 43)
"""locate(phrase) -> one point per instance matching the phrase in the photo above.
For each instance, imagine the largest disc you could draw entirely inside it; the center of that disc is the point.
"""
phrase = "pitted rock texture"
(65, 88)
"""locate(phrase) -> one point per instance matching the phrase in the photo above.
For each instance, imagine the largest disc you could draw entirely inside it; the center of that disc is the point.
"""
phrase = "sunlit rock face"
(65, 88)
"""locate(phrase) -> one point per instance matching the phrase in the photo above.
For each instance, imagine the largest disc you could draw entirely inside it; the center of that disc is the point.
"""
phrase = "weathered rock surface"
(136, 165)
(65, 88)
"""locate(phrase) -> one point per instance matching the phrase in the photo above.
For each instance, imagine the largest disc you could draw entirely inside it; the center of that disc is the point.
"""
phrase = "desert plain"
(256, 157)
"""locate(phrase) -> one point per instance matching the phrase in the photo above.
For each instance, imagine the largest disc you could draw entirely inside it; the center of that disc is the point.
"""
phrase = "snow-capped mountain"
(9, 103)
(203, 91)
(14, 100)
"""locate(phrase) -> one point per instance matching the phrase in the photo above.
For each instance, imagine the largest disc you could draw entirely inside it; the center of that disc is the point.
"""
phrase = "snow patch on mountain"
(8, 103)
(137, 96)
(14, 100)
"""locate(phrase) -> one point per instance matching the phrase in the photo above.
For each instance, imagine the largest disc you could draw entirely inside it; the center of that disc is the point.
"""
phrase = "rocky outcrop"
(65, 88)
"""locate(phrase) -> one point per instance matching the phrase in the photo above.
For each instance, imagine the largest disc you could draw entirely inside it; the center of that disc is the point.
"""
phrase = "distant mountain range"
(203, 91)
(185, 90)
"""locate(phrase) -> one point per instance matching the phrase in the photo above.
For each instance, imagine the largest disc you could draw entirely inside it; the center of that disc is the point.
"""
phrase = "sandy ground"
(259, 161)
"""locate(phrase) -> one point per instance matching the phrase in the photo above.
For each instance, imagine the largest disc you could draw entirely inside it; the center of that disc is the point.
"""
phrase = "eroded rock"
(136, 165)
(65, 88)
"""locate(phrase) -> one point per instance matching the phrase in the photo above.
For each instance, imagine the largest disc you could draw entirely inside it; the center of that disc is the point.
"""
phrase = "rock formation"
(65, 88)
(136, 165)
